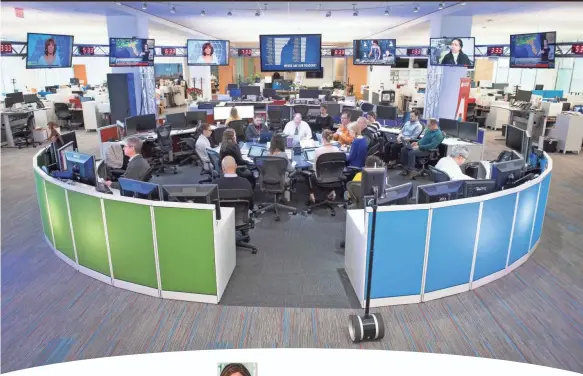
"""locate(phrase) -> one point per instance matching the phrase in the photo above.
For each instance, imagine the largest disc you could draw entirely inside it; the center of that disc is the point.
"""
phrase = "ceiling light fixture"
(354, 10)
(441, 6)
(144, 6)
(203, 12)
(328, 14)
(172, 9)
(117, 3)
(463, 3)
(229, 13)
(416, 9)
(257, 13)
(387, 12)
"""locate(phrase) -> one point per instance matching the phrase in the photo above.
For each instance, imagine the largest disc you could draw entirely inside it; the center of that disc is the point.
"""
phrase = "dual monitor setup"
(147, 123)
(18, 97)
(464, 130)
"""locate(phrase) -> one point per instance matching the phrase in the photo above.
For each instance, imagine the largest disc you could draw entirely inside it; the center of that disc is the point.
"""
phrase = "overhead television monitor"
(374, 51)
(48, 51)
(458, 52)
(535, 50)
(291, 52)
(131, 52)
(207, 52)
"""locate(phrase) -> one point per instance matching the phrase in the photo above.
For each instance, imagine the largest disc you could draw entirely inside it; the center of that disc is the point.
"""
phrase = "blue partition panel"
(451, 246)
(495, 231)
(540, 211)
(399, 253)
(523, 223)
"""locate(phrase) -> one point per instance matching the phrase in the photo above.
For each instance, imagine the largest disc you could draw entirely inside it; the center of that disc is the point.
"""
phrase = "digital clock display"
(6, 48)
(245, 52)
(169, 51)
(86, 50)
(577, 49)
(495, 51)
(414, 51)
(338, 52)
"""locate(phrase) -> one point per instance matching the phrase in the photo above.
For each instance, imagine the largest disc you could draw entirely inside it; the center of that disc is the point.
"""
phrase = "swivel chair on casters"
(239, 127)
(164, 150)
(243, 221)
(272, 179)
(330, 175)
(438, 176)
(303, 110)
(275, 119)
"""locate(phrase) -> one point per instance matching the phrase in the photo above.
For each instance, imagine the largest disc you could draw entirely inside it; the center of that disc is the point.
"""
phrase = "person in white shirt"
(451, 164)
(203, 143)
(299, 129)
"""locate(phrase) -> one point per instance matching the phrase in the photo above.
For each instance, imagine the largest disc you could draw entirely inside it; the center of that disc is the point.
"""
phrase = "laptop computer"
(310, 154)
(265, 137)
(255, 151)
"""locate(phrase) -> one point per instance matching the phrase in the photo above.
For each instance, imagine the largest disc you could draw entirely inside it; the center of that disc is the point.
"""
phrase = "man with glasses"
(343, 134)
(137, 166)
(451, 164)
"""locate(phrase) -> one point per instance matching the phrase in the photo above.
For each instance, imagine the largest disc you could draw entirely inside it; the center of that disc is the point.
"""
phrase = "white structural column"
(379, 78)
(145, 86)
(443, 82)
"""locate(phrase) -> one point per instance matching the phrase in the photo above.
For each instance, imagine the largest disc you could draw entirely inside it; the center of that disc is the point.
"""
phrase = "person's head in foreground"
(432, 124)
(277, 144)
(327, 136)
(355, 128)
(229, 165)
(362, 122)
(235, 369)
(372, 161)
(206, 129)
(459, 154)
(234, 113)
(229, 137)
(132, 147)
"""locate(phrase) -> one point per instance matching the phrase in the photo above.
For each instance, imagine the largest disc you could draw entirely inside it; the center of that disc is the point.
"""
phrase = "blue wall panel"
(399, 253)
(540, 211)
(495, 230)
(451, 246)
(523, 223)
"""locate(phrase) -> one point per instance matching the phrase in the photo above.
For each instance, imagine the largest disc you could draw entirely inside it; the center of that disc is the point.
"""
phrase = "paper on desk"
(294, 163)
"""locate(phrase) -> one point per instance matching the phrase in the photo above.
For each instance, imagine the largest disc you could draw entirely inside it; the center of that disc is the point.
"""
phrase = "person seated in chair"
(411, 130)
(254, 130)
(372, 161)
(327, 147)
(137, 167)
(343, 134)
(431, 140)
(231, 180)
(370, 133)
(298, 129)
(359, 147)
(373, 124)
(229, 147)
(324, 121)
(234, 115)
(451, 164)
(203, 143)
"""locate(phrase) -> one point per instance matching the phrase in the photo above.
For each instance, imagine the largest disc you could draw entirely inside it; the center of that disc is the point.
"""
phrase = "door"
(80, 72)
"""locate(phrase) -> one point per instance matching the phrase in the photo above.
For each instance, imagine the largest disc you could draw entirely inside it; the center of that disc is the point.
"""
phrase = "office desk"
(150, 247)
(428, 251)
(499, 115)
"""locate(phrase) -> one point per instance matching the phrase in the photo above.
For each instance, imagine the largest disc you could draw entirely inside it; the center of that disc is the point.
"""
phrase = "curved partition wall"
(425, 252)
(163, 249)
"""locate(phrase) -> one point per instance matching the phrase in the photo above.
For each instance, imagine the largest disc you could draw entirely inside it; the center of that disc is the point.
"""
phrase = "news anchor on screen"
(544, 51)
(146, 55)
(456, 56)
(50, 56)
(207, 56)
(375, 50)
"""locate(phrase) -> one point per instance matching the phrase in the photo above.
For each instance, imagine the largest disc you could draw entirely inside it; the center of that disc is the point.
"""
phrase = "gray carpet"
(51, 313)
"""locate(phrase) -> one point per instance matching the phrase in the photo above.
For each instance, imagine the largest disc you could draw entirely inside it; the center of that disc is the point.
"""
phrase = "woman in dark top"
(324, 121)
(230, 147)
(544, 51)
(456, 56)
(254, 130)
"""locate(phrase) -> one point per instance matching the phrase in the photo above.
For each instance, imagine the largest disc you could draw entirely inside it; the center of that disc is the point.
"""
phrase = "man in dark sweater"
(231, 180)
(409, 154)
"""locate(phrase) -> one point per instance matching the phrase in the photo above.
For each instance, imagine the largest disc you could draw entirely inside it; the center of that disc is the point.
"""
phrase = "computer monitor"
(449, 126)
(399, 195)
(17, 97)
(333, 109)
(70, 137)
(373, 178)
(474, 188)
(9, 102)
(82, 166)
(269, 93)
(193, 118)
(232, 86)
(506, 172)
(499, 86)
(468, 131)
(578, 108)
(139, 189)
(309, 93)
(387, 112)
(310, 154)
(523, 95)
(196, 193)
(250, 90)
(177, 121)
(438, 192)
(235, 93)
(74, 81)
(62, 160)
(566, 106)
(515, 138)
(140, 123)
(539, 87)
(30, 98)
(256, 151)
(354, 114)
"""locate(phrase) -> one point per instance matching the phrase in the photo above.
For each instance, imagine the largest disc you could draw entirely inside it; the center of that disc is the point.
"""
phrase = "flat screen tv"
(315, 74)
(48, 51)
(535, 50)
(374, 51)
(456, 52)
(207, 52)
(131, 52)
(291, 52)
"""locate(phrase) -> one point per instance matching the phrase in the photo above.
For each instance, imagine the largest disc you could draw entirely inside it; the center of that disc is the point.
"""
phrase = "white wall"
(328, 66)
(378, 77)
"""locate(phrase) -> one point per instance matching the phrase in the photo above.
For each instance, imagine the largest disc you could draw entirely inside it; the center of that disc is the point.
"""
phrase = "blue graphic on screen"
(49, 51)
(131, 52)
(536, 50)
(374, 52)
(207, 52)
(290, 53)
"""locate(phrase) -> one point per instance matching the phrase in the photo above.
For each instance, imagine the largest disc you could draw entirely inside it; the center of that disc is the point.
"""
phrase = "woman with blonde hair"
(234, 115)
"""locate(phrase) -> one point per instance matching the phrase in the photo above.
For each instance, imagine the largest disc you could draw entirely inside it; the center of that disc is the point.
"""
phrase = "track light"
(328, 14)
(229, 13)
(257, 13)
(173, 9)
(416, 9)
(203, 12)
(144, 6)
(441, 6)
(354, 10)
(387, 12)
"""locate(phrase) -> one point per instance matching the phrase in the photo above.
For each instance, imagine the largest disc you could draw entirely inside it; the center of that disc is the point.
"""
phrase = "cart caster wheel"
(254, 252)
(309, 211)
(277, 219)
(295, 212)
(345, 206)
(333, 214)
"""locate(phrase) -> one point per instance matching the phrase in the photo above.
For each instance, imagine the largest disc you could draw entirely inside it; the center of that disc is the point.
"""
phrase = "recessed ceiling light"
(229, 13)
(328, 14)
(387, 12)
(463, 3)
(257, 13)
(441, 6)
(144, 6)
(203, 12)
(117, 3)
(416, 9)
(354, 10)
(172, 9)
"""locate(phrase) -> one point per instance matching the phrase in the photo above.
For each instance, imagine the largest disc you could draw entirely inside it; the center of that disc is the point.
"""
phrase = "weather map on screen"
(536, 50)
(49, 51)
(131, 52)
(207, 52)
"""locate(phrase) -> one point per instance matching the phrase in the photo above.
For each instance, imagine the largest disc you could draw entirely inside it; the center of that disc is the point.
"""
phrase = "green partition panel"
(131, 245)
(187, 262)
(60, 219)
(89, 232)
(42, 203)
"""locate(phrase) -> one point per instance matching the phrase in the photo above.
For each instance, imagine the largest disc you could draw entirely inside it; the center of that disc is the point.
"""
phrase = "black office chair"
(148, 175)
(367, 107)
(426, 161)
(438, 176)
(217, 135)
(243, 221)
(215, 159)
(239, 127)
(188, 146)
(329, 175)
(374, 149)
(64, 115)
(275, 119)
(303, 110)
(163, 150)
(272, 180)
(356, 199)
